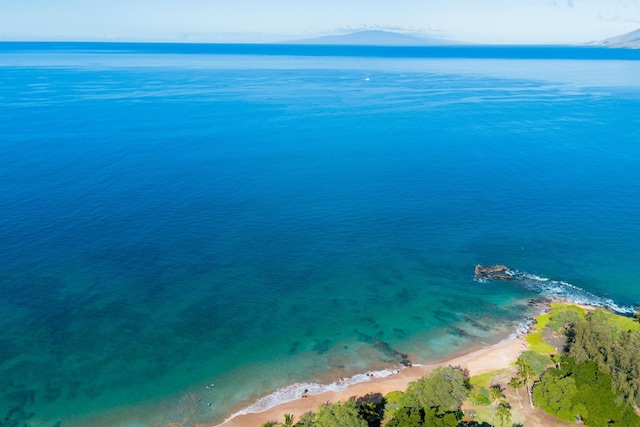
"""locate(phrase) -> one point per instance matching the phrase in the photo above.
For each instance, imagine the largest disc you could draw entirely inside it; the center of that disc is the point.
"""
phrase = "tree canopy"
(444, 389)
(615, 352)
(342, 414)
(598, 380)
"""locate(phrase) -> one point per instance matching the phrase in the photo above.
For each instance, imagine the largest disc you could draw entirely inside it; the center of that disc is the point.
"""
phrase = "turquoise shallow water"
(173, 220)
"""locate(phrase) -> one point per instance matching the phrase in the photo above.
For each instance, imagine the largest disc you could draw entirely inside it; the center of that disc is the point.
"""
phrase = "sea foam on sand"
(299, 390)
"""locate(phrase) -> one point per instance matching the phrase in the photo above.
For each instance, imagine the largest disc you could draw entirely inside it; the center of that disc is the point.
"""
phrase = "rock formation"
(494, 272)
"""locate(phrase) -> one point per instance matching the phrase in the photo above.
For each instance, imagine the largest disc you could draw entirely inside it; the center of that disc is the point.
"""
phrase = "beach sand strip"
(477, 361)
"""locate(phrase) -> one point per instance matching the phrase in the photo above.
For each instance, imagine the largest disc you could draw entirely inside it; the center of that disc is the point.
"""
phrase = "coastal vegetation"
(593, 379)
(433, 400)
(596, 379)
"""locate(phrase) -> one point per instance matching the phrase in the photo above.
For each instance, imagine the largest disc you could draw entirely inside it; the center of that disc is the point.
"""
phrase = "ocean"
(186, 229)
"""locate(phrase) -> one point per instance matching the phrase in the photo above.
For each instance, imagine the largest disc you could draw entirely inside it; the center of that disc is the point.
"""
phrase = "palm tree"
(516, 383)
(288, 420)
(525, 371)
(504, 413)
(369, 412)
(307, 420)
(496, 394)
(556, 358)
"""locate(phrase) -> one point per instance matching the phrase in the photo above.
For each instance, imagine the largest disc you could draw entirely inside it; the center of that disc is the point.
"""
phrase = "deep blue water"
(175, 216)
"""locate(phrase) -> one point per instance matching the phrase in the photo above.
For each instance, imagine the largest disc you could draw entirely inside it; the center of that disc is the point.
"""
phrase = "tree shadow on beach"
(371, 408)
(376, 398)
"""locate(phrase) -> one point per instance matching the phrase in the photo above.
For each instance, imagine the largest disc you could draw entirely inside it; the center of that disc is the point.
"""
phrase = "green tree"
(496, 394)
(407, 417)
(615, 352)
(445, 388)
(430, 417)
(555, 395)
(307, 420)
(516, 384)
(565, 319)
(526, 373)
(341, 414)
(556, 359)
(536, 361)
(288, 420)
(582, 391)
(481, 396)
(591, 340)
(504, 413)
(596, 393)
(370, 412)
(392, 402)
(435, 418)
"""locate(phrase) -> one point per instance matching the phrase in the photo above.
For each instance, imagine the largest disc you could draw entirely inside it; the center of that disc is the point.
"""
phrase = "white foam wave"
(522, 328)
(566, 291)
(299, 390)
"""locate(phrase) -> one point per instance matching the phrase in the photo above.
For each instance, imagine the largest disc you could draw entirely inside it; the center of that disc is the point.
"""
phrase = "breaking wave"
(298, 390)
(563, 290)
(522, 328)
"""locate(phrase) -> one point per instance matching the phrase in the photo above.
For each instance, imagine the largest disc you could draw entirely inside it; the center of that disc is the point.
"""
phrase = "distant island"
(629, 40)
(377, 38)
(393, 38)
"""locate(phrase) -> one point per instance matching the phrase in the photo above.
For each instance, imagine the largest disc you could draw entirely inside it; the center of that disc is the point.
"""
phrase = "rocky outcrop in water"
(493, 272)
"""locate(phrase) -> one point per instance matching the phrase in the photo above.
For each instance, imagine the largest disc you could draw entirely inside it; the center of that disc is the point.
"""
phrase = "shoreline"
(476, 360)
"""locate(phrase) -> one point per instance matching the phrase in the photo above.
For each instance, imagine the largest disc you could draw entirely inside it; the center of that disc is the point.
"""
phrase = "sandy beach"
(477, 361)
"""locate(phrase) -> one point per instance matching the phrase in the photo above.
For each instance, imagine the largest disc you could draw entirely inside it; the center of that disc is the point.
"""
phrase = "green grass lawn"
(535, 338)
(624, 323)
(537, 344)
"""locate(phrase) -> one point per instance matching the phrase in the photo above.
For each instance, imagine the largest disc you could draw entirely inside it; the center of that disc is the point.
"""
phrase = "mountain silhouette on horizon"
(629, 40)
(376, 38)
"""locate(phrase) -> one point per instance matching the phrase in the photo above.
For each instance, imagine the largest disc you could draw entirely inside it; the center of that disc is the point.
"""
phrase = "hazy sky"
(482, 21)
